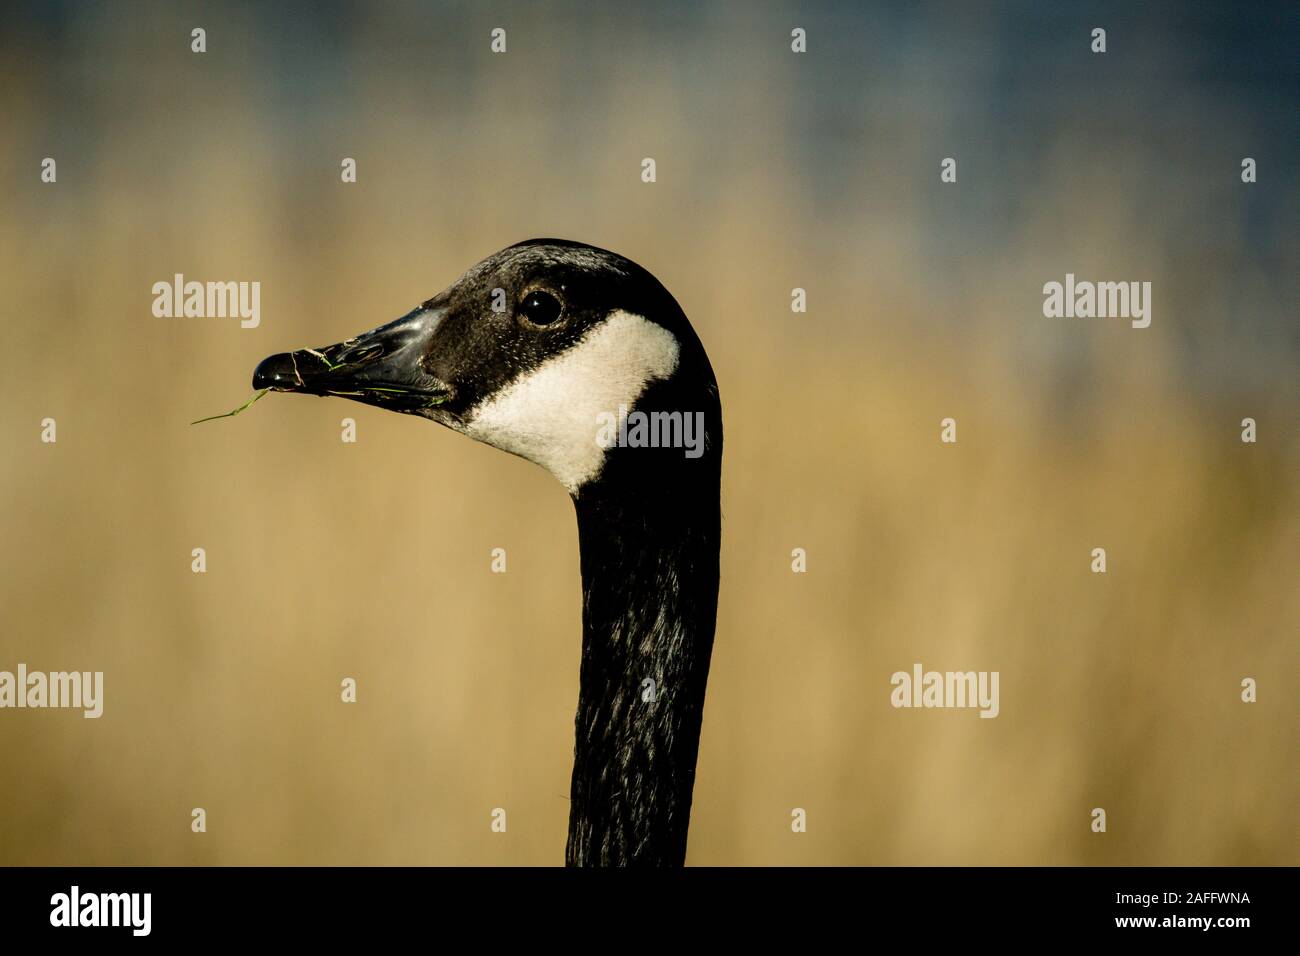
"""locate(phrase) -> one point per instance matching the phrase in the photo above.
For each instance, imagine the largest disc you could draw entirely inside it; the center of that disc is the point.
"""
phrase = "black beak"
(384, 367)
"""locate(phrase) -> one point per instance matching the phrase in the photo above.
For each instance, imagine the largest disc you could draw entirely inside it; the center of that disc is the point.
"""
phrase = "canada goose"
(529, 351)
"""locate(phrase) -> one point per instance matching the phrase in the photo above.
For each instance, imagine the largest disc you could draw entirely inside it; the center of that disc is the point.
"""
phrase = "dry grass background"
(371, 560)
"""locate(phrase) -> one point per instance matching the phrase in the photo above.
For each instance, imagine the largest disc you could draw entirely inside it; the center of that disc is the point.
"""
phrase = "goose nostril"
(363, 354)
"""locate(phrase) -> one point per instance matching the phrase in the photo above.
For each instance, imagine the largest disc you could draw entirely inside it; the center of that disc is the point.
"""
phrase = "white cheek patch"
(550, 415)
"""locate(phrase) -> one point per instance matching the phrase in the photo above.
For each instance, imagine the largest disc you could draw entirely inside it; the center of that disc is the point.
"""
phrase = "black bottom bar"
(1173, 906)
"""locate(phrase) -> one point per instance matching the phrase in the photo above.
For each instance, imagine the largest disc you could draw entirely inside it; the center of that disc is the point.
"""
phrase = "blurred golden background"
(775, 170)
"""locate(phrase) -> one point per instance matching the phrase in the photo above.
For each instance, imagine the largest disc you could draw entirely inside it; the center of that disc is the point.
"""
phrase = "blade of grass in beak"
(211, 418)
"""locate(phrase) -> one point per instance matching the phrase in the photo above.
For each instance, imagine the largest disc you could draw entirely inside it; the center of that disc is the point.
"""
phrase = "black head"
(532, 351)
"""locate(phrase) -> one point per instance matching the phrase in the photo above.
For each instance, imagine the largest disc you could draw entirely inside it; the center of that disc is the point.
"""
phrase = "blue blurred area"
(851, 132)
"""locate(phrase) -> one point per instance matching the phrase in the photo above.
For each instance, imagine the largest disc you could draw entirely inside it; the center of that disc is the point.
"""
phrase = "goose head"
(531, 351)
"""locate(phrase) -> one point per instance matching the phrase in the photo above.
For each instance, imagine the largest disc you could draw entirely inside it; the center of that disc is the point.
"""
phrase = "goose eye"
(540, 308)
